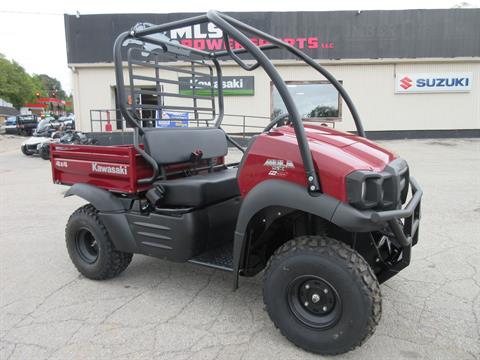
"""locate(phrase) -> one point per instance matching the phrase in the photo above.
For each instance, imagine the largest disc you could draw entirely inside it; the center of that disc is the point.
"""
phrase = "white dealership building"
(411, 73)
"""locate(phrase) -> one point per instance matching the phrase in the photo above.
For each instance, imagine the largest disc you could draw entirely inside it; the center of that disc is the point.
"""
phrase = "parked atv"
(65, 137)
(49, 132)
(41, 136)
(326, 215)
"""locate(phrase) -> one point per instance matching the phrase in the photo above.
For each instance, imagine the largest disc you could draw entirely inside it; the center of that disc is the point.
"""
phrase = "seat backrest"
(170, 146)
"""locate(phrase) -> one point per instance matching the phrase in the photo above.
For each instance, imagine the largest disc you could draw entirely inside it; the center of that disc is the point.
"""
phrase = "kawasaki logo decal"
(431, 83)
(108, 169)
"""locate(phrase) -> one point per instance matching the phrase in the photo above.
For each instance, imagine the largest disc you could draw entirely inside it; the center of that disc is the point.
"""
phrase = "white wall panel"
(371, 86)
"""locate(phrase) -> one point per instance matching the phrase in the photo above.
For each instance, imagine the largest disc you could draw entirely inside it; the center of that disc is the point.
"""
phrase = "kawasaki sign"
(231, 85)
(407, 83)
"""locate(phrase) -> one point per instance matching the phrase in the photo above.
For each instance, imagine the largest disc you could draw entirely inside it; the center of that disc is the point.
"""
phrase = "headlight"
(383, 190)
(364, 190)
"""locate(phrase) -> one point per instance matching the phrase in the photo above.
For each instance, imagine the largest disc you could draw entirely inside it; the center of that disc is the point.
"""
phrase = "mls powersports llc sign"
(231, 85)
(210, 37)
(407, 83)
(320, 34)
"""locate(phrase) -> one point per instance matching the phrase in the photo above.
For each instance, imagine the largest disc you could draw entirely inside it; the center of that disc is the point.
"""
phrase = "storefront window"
(314, 100)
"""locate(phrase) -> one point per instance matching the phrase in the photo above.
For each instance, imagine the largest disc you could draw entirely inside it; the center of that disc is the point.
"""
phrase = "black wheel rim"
(86, 246)
(314, 301)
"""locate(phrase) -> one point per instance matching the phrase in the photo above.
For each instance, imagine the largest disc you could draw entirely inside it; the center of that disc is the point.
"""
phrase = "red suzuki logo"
(405, 82)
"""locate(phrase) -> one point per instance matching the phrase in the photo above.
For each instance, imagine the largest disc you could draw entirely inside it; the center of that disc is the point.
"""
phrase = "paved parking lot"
(162, 310)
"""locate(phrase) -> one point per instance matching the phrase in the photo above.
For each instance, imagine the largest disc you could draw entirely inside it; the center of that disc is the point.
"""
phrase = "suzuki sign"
(406, 83)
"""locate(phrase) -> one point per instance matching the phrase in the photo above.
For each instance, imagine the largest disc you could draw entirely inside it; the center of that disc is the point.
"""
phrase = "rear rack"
(167, 101)
(149, 51)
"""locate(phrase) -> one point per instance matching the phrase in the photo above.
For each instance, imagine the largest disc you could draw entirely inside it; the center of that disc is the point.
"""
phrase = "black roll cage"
(237, 30)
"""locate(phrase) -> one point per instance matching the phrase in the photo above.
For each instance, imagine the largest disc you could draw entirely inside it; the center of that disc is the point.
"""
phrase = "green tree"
(16, 86)
(69, 98)
(51, 87)
(38, 87)
(323, 111)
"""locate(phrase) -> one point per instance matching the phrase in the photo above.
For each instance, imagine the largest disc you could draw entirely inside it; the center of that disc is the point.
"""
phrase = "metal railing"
(106, 120)
(110, 120)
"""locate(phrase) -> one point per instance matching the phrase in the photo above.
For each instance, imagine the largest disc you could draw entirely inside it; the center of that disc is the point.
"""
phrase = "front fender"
(277, 193)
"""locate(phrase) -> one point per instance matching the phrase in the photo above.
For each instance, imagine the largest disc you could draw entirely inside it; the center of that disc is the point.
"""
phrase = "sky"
(32, 32)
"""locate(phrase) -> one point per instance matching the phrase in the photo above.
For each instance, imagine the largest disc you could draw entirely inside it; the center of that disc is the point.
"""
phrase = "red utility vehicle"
(323, 213)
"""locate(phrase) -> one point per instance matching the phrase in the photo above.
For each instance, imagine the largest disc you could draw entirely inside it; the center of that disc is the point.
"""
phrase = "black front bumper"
(403, 223)
(355, 220)
(408, 233)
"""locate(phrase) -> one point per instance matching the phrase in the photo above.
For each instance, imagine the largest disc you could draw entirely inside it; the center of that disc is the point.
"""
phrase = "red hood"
(358, 152)
(336, 154)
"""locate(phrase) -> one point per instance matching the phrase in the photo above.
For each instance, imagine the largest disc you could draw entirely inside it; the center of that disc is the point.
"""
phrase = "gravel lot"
(162, 310)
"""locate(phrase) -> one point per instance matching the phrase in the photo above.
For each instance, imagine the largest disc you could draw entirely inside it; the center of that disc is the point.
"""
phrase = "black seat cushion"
(170, 145)
(200, 190)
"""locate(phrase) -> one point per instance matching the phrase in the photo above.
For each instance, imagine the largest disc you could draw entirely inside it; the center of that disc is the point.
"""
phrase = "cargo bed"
(114, 168)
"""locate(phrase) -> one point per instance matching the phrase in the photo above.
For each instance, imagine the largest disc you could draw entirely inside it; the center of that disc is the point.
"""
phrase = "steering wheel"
(278, 121)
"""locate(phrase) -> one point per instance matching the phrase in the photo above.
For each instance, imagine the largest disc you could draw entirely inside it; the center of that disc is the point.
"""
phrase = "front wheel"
(322, 295)
(90, 248)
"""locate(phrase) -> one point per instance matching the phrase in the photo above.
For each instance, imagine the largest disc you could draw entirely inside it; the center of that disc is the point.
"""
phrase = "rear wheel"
(25, 151)
(90, 248)
(322, 295)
